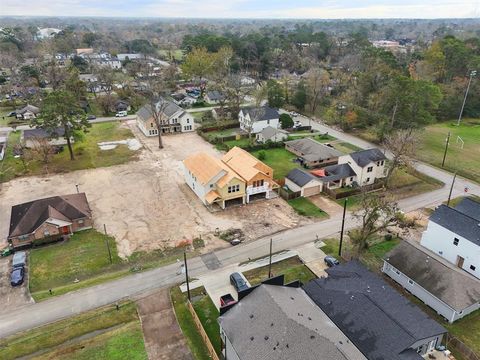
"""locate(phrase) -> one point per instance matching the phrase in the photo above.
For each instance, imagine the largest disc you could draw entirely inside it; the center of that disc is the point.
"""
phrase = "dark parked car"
(226, 300)
(238, 282)
(19, 259)
(17, 276)
(12, 114)
(331, 261)
(91, 117)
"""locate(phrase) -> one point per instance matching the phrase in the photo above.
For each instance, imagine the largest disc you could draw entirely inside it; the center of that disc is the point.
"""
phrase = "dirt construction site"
(145, 203)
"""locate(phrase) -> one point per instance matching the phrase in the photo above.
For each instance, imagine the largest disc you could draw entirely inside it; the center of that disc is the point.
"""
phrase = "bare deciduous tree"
(41, 150)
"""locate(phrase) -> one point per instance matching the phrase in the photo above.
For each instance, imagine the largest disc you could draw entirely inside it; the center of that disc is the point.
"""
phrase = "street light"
(472, 74)
(76, 185)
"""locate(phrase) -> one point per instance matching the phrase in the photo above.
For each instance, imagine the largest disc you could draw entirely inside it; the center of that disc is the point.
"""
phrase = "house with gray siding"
(450, 291)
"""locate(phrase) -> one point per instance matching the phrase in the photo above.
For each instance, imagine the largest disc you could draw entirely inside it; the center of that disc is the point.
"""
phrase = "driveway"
(12, 297)
(326, 204)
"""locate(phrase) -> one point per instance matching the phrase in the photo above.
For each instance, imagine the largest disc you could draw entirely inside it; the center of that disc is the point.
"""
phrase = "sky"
(299, 9)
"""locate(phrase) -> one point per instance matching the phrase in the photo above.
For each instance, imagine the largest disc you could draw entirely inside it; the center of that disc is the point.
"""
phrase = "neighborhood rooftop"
(168, 108)
(313, 150)
(261, 113)
(469, 207)
(245, 164)
(282, 323)
(365, 157)
(269, 131)
(39, 133)
(458, 222)
(337, 172)
(452, 286)
(300, 177)
(28, 216)
(206, 167)
(376, 318)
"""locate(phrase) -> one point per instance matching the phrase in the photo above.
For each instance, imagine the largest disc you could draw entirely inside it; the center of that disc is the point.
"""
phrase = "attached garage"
(306, 183)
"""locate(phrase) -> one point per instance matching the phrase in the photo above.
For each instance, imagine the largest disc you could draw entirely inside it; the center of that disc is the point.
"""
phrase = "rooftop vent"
(251, 316)
(251, 338)
(266, 337)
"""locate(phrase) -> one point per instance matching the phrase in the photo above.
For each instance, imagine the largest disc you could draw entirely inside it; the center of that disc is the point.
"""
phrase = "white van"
(121, 114)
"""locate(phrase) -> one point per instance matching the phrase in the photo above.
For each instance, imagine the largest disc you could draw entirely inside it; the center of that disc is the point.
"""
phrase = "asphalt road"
(60, 307)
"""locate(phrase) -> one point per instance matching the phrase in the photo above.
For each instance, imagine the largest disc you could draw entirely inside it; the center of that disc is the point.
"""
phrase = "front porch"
(257, 191)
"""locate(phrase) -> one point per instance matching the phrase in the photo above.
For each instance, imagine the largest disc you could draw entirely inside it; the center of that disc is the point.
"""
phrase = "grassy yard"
(87, 153)
(178, 54)
(280, 160)
(185, 320)
(292, 268)
(346, 147)
(305, 207)
(82, 257)
(4, 119)
(208, 315)
(466, 160)
(111, 334)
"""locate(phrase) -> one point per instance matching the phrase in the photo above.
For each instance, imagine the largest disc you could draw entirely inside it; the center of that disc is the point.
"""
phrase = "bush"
(286, 121)
(262, 155)
(388, 237)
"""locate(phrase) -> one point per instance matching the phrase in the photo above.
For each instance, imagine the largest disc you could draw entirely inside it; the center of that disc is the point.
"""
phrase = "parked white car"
(121, 114)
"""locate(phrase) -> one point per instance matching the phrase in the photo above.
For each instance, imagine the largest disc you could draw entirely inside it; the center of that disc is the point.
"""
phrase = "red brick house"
(49, 219)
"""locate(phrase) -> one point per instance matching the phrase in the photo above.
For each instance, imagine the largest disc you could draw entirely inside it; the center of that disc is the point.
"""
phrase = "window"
(258, 183)
(46, 233)
(410, 282)
(351, 179)
(378, 163)
(268, 122)
(472, 267)
(211, 186)
(383, 162)
(397, 272)
(23, 237)
(369, 169)
(151, 124)
(368, 179)
(188, 121)
(456, 241)
(80, 221)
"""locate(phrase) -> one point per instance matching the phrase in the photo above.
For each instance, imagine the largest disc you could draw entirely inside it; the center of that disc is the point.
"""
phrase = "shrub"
(262, 155)
(286, 121)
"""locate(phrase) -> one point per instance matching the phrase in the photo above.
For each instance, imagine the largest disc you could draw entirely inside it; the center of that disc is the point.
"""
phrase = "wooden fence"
(467, 353)
(288, 195)
(203, 334)
(354, 191)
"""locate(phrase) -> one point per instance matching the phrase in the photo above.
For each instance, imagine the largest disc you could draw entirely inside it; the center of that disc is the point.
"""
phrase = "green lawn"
(107, 345)
(4, 119)
(305, 207)
(346, 147)
(466, 160)
(240, 143)
(87, 153)
(84, 256)
(280, 160)
(292, 268)
(176, 54)
(208, 315)
(185, 320)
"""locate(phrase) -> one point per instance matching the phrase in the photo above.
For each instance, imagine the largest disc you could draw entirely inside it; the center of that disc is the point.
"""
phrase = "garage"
(234, 202)
(312, 190)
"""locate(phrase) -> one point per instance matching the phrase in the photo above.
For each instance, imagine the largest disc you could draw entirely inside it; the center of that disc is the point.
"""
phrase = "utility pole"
(451, 188)
(76, 185)
(108, 245)
(186, 273)
(343, 227)
(447, 142)
(270, 261)
(472, 74)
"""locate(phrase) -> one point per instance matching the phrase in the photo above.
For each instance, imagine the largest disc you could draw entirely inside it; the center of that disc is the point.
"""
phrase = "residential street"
(33, 315)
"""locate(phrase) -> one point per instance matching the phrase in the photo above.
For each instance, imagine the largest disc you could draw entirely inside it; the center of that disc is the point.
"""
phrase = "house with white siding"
(255, 119)
(368, 165)
(451, 292)
(454, 234)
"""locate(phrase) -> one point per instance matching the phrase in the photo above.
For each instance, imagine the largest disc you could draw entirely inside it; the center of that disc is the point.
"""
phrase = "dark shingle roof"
(300, 177)
(449, 285)
(469, 207)
(261, 113)
(337, 172)
(28, 216)
(457, 222)
(365, 157)
(41, 133)
(376, 318)
(28, 107)
(313, 150)
(282, 323)
(215, 95)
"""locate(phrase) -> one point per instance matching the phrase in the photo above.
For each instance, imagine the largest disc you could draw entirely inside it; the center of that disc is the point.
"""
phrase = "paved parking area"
(11, 297)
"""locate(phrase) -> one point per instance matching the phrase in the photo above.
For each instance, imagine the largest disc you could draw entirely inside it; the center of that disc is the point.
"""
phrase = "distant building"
(255, 119)
(123, 57)
(304, 182)
(271, 134)
(47, 33)
(454, 234)
(214, 97)
(312, 153)
(31, 137)
(28, 112)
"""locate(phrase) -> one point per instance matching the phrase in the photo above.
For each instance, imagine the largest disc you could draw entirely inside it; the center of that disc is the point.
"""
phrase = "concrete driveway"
(12, 297)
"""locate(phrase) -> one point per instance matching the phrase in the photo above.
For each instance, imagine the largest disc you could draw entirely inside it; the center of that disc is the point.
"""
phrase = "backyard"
(466, 160)
(88, 154)
(104, 333)
(303, 206)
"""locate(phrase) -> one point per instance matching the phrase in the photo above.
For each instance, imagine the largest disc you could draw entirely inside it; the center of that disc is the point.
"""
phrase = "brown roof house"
(49, 219)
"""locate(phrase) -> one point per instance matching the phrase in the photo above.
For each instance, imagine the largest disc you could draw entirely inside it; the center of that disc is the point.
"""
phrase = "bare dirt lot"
(146, 205)
(12, 297)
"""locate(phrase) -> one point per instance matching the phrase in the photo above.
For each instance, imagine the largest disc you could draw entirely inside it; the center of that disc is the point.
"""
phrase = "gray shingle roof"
(282, 323)
(469, 207)
(365, 157)
(168, 110)
(337, 172)
(376, 318)
(261, 113)
(313, 150)
(39, 133)
(269, 132)
(28, 107)
(449, 285)
(300, 177)
(457, 222)
(215, 95)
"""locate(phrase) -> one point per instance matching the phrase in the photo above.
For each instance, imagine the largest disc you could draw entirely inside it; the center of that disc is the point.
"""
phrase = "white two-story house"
(255, 119)
(172, 117)
(454, 234)
(368, 165)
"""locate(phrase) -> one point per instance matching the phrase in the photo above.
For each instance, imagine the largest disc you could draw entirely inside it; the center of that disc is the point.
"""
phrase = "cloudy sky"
(325, 9)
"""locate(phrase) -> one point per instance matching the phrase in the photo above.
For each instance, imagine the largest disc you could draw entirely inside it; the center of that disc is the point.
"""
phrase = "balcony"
(258, 189)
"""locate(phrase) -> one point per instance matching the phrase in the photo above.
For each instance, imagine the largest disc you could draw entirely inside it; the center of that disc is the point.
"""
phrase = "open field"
(87, 153)
(146, 205)
(102, 333)
(83, 256)
(466, 160)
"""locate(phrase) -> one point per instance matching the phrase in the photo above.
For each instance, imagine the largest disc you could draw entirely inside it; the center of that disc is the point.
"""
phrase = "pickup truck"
(227, 299)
